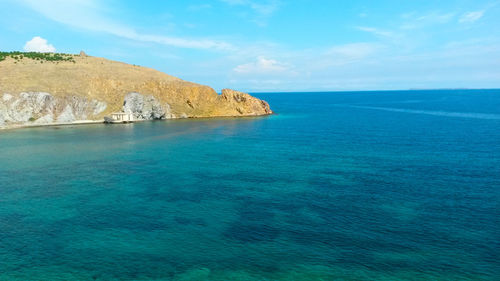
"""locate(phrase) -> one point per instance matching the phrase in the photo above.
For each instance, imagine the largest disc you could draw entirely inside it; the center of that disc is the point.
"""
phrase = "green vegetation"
(18, 56)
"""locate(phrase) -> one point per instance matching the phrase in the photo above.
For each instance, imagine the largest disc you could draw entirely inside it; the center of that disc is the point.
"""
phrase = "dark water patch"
(255, 222)
(190, 221)
(30, 243)
(180, 195)
(142, 217)
(246, 177)
(251, 233)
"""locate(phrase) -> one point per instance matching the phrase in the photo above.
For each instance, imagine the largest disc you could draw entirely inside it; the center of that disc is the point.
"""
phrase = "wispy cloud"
(262, 66)
(263, 9)
(346, 67)
(199, 7)
(471, 17)
(354, 50)
(90, 15)
(416, 20)
(376, 31)
(436, 17)
(403, 51)
(343, 55)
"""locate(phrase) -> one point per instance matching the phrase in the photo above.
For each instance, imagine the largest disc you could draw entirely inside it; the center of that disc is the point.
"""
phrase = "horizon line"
(359, 91)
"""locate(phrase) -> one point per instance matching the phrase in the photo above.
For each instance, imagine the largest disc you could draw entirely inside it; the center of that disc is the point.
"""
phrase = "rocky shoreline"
(27, 125)
(37, 93)
(19, 111)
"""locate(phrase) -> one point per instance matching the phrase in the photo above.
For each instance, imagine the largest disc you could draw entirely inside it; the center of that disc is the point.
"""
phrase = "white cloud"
(262, 66)
(471, 17)
(89, 15)
(376, 31)
(39, 45)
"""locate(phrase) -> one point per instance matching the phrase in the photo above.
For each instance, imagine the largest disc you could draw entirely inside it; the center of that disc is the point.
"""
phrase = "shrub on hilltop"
(55, 57)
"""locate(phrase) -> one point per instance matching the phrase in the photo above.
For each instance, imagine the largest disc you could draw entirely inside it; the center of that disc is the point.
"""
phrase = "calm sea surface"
(336, 186)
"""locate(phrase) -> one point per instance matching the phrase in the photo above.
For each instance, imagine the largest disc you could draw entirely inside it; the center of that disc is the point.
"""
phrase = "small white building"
(122, 117)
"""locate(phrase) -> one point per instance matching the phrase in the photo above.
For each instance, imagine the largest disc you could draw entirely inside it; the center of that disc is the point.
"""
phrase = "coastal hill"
(47, 88)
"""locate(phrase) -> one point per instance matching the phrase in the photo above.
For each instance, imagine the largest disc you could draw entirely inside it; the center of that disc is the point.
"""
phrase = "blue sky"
(275, 45)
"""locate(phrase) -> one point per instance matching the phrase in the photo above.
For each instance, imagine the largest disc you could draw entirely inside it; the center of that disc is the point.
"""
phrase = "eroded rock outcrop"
(244, 103)
(146, 107)
(44, 108)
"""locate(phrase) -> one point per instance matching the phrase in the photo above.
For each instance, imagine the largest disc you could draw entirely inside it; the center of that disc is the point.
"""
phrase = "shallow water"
(337, 186)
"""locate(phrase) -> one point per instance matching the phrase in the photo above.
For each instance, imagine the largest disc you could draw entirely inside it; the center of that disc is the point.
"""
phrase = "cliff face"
(89, 88)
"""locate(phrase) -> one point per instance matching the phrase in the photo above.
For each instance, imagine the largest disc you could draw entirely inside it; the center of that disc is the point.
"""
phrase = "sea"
(383, 185)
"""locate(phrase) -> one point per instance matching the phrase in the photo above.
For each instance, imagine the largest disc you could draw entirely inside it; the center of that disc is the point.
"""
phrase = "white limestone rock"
(7, 97)
(143, 107)
(98, 106)
(46, 119)
(168, 112)
(67, 115)
(43, 108)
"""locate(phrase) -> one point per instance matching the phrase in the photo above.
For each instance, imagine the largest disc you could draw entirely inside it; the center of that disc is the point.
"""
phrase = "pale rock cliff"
(42, 108)
(146, 107)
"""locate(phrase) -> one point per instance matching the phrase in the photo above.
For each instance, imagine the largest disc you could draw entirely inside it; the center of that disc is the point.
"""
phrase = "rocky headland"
(48, 89)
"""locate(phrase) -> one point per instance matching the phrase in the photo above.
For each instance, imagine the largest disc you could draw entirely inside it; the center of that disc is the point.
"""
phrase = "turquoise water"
(337, 186)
